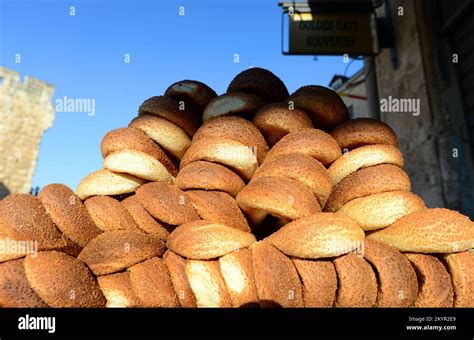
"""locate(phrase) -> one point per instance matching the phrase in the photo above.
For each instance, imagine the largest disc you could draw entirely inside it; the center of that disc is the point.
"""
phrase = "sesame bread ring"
(118, 291)
(237, 271)
(234, 103)
(261, 82)
(109, 214)
(144, 220)
(235, 128)
(461, 268)
(197, 94)
(203, 240)
(138, 164)
(62, 281)
(324, 106)
(363, 157)
(311, 142)
(435, 230)
(276, 120)
(152, 284)
(368, 181)
(363, 131)
(15, 291)
(105, 182)
(166, 203)
(319, 282)
(135, 139)
(177, 269)
(303, 168)
(381, 210)
(435, 286)
(218, 207)
(68, 213)
(209, 176)
(281, 197)
(169, 136)
(23, 217)
(116, 250)
(276, 278)
(357, 284)
(176, 112)
(231, 153)
(318, 236)
(207, 283)
(397, 282)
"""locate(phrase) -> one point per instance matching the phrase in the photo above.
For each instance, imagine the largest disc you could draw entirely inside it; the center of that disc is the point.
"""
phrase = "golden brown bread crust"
(363, 157)
(435, 286)
(68, 213)
(318, 236)
(276, 278)
(234, 103)
(172, 110)
(166, 203)
(177, 269)
(105, 182)
(202, 240)
(397, 281)
(118, 291)
(312, 142)
(461, 268)
(363, 131)
(144, 220)
(231, 153)
(63, 281)
(324, 106)
(113, 251)
(23, 217)
(435, 230)
(169, 136)
(108, 214)
(368, 181)
(303, 168)
(15, 291)
(138, 164)
(319, 282)
(381, 210)
(236, 128)
(261, 82)
(134, 139)
(152, 284)
(357, 284)
(276, 120)
(237, 271)
(209, 176)
(207, 283)
(218, 207)
(281, 197)
(192, 92)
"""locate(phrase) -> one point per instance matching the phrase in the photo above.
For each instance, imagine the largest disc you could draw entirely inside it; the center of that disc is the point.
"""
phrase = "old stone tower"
(26, 112)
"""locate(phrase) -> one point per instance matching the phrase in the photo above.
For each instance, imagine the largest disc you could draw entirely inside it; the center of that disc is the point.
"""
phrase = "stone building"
(433, 63)
(26, 111)
(352, 91)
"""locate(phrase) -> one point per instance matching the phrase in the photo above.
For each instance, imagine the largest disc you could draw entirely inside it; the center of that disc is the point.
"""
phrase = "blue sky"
(83, 57)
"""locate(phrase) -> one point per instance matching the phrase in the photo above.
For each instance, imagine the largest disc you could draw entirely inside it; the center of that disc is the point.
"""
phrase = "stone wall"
(416, 134)
(26, 112)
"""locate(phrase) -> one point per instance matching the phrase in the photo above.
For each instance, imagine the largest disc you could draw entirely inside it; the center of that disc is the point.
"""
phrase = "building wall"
(359, 106)
(416, 134)
(26, 112)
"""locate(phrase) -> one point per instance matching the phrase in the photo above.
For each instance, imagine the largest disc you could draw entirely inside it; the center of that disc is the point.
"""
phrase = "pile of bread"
(251, 198)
